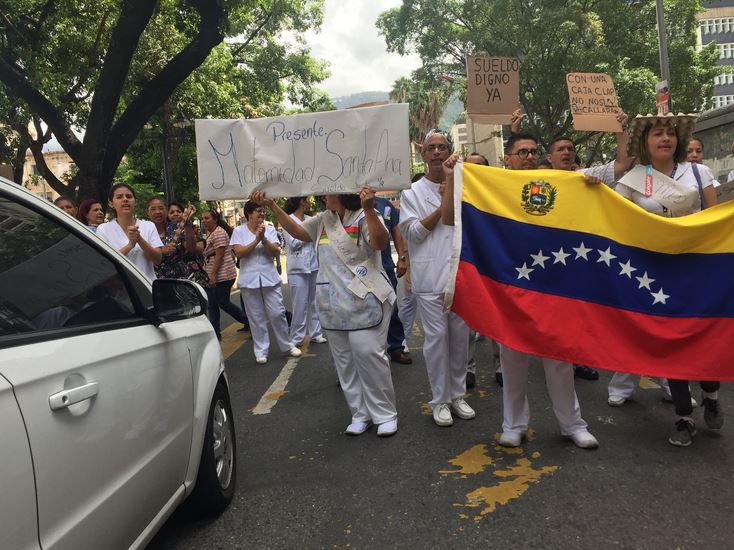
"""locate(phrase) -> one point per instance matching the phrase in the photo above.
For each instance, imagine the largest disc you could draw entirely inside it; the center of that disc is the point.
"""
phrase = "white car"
(114, 405)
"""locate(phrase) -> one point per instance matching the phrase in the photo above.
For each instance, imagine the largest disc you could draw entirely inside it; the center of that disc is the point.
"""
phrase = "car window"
(52, 279)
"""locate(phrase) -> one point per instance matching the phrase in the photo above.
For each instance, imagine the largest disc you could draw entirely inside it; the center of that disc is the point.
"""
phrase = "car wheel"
(215, 482)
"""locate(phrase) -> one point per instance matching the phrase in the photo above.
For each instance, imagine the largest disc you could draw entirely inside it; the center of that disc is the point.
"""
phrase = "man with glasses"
(446, 336)
(522, 153)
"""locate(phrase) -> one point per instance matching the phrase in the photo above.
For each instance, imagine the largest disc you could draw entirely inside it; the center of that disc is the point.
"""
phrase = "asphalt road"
(303, 484)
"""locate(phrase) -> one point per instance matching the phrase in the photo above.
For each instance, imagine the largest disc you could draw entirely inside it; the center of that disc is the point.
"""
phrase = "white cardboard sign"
(308, 154)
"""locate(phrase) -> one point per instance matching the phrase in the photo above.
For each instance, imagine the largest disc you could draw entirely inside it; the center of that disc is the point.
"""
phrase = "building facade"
(716, 24)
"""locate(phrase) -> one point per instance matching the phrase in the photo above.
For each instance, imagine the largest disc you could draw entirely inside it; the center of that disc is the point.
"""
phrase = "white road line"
(276, 389)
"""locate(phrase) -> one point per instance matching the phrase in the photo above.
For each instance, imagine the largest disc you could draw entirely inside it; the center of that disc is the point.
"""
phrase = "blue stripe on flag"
(616, 275)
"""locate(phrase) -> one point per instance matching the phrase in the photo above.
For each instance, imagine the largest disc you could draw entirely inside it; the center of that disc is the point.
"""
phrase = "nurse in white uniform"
(355, 299)
(256, 245)
(136, 239)
(302, 268)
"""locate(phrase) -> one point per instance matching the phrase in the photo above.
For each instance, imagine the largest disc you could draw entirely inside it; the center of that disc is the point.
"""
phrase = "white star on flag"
(539, 259)
(627, 269)
(659, 297)
(560, 256)
(606, 256)
(645, 281)
(581, 252)
(524, 271)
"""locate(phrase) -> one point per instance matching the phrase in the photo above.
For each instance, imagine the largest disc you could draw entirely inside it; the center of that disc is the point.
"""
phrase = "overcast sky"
(357, 55)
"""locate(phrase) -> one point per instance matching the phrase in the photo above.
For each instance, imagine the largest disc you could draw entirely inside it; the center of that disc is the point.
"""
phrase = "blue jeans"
(219, 298)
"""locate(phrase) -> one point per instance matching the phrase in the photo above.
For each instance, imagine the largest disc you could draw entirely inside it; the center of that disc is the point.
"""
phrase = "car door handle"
(65, 398)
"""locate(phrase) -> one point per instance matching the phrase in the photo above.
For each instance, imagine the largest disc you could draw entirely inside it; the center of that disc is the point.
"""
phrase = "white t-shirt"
(258, 268)
(684, 175)
(113, 233)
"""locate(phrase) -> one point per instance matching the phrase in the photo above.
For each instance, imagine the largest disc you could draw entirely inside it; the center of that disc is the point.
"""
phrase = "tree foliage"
(427, 100)
(555, 37)
(111, 67)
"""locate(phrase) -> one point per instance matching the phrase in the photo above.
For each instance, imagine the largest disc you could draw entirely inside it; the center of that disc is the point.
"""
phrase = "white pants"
(445, 349)
(471, 364)
(558, 379)
(303, 297)
(407, 309)
(262, 304)
(623, 384)
(363, 368)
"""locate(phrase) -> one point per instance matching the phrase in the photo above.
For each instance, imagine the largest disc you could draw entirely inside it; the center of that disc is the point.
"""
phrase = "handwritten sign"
(309, 154)
(593, 102)
(492, 88)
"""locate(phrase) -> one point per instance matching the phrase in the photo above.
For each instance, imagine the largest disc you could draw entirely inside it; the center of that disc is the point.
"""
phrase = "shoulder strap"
(697, 174)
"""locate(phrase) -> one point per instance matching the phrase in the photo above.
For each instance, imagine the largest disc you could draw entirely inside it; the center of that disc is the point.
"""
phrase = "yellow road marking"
(517, 477)
(505, 491)
(233, 340)
(276, 389)
(647, 384)
(473, 461)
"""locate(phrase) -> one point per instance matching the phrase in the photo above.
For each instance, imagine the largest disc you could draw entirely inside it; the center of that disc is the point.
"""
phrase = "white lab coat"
(446, 342)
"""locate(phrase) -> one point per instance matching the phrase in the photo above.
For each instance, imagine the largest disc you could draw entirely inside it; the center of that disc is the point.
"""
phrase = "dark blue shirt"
(391, 215)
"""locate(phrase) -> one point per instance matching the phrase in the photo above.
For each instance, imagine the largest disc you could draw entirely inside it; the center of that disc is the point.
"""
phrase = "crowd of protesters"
(343, 278)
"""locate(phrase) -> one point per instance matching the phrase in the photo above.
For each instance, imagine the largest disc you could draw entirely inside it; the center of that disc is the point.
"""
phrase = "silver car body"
(106, 471)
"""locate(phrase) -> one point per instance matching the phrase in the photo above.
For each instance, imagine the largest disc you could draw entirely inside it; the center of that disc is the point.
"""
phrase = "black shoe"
(683, 432)
(580, 371)
(471, 380)
(245, 328)
(498, 378)
(711, 413)
(401, 357)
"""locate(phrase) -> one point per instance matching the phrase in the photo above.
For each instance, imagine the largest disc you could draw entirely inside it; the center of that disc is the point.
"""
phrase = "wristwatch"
(404, 258)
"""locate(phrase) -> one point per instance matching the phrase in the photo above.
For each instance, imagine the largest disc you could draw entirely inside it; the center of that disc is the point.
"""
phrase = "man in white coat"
(521, 153)
(446, 342)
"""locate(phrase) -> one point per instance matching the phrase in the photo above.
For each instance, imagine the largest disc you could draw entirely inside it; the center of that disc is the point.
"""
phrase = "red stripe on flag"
(688, 348)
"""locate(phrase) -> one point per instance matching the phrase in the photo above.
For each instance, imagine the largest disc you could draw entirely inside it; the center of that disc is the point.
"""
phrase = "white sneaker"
(358, 428)
(261, 360)
(318, 339)
(616, 400)
(510, 439)
(386, 429)
(295, 352)
(462, 409)
(584, 440)
(442, 415)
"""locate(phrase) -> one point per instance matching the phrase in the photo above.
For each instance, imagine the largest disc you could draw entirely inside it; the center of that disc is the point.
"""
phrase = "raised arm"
(286, 222)
(375, 228)
(447, 197)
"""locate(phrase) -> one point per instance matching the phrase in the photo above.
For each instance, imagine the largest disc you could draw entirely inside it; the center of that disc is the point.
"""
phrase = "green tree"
(427, 98)
(110, 67)
(555, 37)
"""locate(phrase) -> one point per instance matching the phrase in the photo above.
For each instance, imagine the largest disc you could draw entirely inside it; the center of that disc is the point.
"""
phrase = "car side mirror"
(175, 299)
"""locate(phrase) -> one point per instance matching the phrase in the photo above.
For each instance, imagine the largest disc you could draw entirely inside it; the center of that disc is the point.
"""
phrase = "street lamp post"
(663, 48)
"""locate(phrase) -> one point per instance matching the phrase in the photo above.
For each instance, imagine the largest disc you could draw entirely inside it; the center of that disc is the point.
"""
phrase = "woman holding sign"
(354, 299)
(665, 184)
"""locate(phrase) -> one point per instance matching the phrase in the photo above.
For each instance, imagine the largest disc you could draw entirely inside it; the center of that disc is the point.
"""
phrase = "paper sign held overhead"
(492, 88)
(300, 155)
(593, 102)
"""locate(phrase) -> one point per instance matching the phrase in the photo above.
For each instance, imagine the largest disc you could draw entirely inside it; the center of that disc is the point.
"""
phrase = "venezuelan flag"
(555, 267)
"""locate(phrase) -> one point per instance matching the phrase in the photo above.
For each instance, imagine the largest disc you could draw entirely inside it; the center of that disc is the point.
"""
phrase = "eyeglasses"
(525, 153)
(440, 147)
